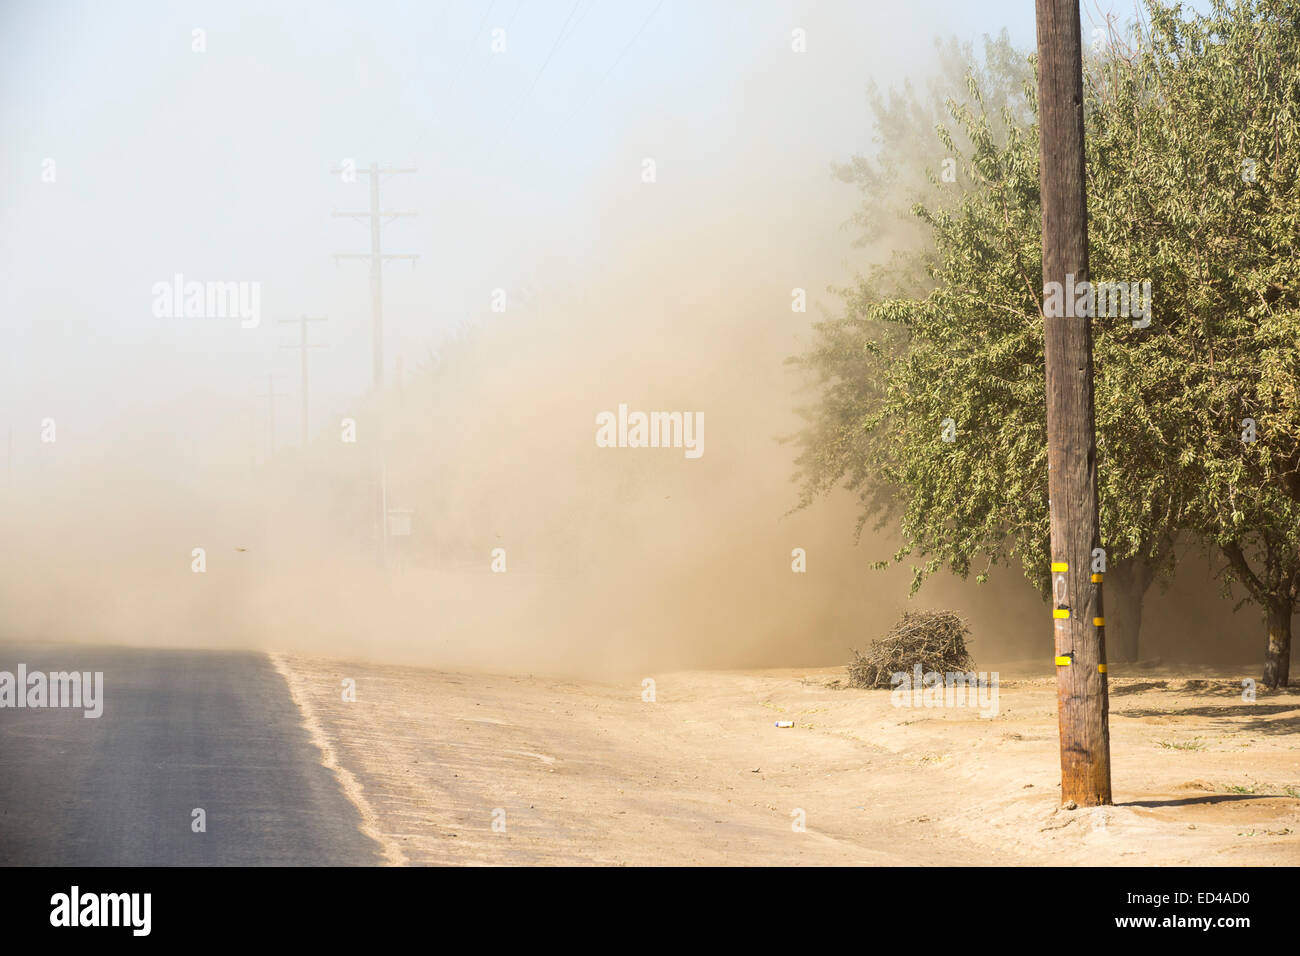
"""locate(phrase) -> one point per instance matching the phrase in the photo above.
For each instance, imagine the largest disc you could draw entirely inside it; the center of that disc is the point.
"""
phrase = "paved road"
(180, 730)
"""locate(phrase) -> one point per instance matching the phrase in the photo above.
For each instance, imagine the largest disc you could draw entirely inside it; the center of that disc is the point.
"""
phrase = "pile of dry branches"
(934, 639)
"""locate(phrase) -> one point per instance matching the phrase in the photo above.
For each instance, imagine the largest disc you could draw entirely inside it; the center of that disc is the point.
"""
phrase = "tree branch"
(1232, 550)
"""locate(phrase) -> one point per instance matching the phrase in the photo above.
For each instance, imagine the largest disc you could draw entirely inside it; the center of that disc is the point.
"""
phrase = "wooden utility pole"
(271, 395)
(1078, 620)
(377, 219)
(303, 346)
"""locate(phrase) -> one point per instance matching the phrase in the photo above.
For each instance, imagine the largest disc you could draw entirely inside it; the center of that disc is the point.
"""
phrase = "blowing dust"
(518, 541)
(531, 548)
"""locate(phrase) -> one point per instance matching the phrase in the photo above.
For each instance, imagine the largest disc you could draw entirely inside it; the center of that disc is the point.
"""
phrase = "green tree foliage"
(1172, 116)
(1214, 136)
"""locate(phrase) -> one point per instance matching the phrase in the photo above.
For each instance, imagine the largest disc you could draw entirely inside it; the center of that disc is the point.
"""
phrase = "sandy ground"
(576, 772)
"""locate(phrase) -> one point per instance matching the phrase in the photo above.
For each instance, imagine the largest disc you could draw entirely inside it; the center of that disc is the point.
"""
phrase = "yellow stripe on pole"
(1099, 622)
(1096, 579)
(1060, 566)
(1064, 661)
(1061, 613)
(1101, 668)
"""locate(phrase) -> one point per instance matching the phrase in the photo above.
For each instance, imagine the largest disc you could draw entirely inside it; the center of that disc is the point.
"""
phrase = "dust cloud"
(671, 296)
(617, 560)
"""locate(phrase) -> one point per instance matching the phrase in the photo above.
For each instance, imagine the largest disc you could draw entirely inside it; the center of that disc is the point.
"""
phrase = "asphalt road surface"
(180, 731)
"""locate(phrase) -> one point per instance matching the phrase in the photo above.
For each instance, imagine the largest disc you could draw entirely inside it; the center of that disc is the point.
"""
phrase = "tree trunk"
(1277, 659)
(1127, 585)
(1123, 613)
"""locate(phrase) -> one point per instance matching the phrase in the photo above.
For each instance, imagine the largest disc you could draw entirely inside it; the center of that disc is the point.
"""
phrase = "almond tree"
(1206, 112)
(1192, 136)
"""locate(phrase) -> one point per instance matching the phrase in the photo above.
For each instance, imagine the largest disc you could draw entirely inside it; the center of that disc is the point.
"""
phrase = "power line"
(545, 63)
(379, 128)
(566, 31)
(470, 49)
(617, 60)
(509, 23)
(415, 150)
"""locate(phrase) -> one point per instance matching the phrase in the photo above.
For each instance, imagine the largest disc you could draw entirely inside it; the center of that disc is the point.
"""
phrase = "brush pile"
(936, 640)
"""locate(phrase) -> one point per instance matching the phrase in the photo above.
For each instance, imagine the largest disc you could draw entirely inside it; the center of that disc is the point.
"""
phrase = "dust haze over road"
(137, 439)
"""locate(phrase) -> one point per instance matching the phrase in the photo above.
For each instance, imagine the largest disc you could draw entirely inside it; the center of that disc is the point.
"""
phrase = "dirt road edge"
(348, 783)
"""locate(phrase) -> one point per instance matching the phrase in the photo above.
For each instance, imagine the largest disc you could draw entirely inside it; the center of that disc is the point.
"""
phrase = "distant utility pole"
(302, 346)
(377, 219)
(1081, 683)
(271, 395)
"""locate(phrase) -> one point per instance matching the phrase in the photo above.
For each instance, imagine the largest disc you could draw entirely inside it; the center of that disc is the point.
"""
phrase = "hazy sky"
(216, 165)
(129, 156)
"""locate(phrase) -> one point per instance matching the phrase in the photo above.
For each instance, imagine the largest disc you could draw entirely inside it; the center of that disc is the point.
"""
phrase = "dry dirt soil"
(451, 768)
